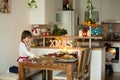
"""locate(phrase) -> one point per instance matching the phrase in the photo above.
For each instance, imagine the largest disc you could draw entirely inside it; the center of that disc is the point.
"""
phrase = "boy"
(108, 65)
(24, 48)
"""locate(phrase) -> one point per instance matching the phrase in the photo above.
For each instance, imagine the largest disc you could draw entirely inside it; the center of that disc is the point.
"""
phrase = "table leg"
(69, 73)
(21, 72)
(50, 74)
(44, 75)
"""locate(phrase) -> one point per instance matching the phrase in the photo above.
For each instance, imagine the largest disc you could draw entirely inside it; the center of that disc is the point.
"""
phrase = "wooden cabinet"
(44, 13)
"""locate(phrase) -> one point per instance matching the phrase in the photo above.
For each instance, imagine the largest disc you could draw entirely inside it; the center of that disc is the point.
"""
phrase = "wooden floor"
(114, 76)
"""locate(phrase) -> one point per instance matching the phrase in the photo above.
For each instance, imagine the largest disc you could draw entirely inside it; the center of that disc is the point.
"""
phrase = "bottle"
(80, 33)
(88, 33)
(67, 6)
(64, 7)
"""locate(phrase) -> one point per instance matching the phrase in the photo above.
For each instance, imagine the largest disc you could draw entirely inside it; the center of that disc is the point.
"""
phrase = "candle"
(80, 33)
(84, 33)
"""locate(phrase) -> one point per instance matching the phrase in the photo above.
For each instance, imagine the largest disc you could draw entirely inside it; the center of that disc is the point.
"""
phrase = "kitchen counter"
(109, 41)
(94, 47)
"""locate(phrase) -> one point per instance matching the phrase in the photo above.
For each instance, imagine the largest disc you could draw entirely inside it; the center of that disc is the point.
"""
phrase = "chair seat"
(8, 76)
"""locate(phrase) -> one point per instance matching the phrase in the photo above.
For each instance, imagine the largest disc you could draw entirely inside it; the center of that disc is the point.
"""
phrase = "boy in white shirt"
(24, 48)
(109, 57)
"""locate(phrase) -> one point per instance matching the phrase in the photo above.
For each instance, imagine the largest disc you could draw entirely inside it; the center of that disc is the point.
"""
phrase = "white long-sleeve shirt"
(24, 52)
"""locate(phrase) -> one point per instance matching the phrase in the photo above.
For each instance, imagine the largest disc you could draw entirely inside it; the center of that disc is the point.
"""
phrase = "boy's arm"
(28, 53)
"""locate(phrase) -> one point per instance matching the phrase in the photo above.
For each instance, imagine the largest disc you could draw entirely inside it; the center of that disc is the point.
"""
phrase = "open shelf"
(75, 37)
(45, 40)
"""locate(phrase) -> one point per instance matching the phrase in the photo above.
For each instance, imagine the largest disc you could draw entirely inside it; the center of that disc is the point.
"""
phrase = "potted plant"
(57, 31)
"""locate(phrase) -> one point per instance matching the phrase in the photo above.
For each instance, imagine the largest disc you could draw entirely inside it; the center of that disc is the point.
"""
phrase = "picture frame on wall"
(4, 6)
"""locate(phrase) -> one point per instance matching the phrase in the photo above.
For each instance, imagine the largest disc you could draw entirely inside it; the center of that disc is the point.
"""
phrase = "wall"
(110, 10)
(76, 5)
(50, 11)
(35, 16)
(44, 13)
(59, 5)
(11, 26)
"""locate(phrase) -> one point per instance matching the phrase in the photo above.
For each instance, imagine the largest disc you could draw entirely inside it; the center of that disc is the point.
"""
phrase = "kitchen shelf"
(44, 38)
(76, 37)
(41, 26)
(75, 48)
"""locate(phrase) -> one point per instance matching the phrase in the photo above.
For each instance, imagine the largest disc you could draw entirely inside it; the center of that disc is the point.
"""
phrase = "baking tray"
(65, 60)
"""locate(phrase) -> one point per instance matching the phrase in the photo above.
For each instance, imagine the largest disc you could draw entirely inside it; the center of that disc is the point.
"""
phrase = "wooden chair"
(83, 71)
(83, 68)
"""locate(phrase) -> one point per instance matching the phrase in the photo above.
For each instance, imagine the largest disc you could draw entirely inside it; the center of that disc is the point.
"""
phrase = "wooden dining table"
(47, 65)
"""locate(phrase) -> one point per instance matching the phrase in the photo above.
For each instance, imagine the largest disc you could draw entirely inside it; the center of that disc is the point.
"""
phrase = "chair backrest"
(83, 62)
(89, 56)
(80, 62)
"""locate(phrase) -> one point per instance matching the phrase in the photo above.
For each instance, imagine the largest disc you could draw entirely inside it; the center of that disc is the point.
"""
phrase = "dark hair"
(25, 34)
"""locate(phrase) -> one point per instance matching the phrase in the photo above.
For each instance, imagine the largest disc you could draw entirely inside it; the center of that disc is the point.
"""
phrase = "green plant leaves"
(92, 7)
(88, 1)
(32, 4)
(89, 7)
(57, 31)
(33, 1)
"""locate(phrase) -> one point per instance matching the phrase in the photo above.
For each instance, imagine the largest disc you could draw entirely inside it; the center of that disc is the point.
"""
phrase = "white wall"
(44, 13)
(50, 11)
(110, 9)
(59, 5)
(35, 16)
(11, 26)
